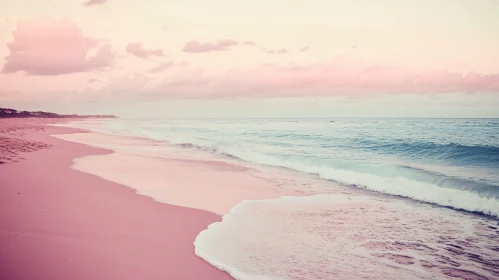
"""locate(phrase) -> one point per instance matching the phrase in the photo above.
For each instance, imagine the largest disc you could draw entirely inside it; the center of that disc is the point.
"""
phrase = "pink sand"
(59, 223)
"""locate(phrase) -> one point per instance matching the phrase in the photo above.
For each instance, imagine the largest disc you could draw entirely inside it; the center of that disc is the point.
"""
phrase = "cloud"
(249, 43)
(203, 47)
(137, 50)
(91, 3)
(278, 51)
(304, 49)
(328, 79)
(46, 46)
(162, 67)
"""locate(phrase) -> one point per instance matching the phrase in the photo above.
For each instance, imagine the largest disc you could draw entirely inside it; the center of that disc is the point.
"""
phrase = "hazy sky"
(259, 58)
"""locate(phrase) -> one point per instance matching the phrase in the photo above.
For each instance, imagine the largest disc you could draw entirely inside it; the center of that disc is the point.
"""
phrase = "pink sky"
(82, 53)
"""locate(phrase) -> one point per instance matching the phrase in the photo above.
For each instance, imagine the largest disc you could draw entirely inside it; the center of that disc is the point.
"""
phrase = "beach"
(135, 199)
(59, 223)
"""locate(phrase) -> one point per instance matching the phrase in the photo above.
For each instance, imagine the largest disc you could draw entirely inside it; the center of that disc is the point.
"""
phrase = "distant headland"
(11, 113)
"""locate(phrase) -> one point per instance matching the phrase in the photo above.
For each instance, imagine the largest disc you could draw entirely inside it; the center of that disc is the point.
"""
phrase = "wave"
(453, 152)
(404, 181)
(450, 153)
(205, 149)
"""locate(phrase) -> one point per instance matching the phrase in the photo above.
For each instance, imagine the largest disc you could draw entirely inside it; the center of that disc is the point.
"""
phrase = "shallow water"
(349, 237)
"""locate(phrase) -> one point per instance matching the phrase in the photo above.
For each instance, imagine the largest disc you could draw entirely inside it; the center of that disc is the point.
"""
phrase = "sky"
(259, 58)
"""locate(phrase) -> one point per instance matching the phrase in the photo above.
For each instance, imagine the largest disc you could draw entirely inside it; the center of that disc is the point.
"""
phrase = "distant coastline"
(12, 113)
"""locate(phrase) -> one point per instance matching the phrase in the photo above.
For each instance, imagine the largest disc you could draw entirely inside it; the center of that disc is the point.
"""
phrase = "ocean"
(443, 176)
(449, 162)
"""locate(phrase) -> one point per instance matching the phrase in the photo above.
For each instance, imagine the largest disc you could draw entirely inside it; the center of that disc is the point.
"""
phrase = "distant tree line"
(12, 113)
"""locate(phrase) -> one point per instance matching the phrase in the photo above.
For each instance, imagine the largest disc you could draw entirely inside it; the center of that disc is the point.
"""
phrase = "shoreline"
(171, 175)
(60, 223)
(251, 166)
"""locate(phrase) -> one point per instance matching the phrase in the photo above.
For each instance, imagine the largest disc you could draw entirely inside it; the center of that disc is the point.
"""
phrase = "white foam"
(455, 198)
(338, 237)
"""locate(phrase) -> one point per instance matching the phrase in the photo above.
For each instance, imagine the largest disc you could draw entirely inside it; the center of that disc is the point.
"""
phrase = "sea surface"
(443, 176)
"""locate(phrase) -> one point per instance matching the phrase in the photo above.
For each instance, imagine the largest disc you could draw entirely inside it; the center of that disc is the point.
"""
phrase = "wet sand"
(170, 174)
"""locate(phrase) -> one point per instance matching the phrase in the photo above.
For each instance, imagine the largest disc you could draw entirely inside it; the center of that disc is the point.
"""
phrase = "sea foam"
(345, 237)
(400, 186)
